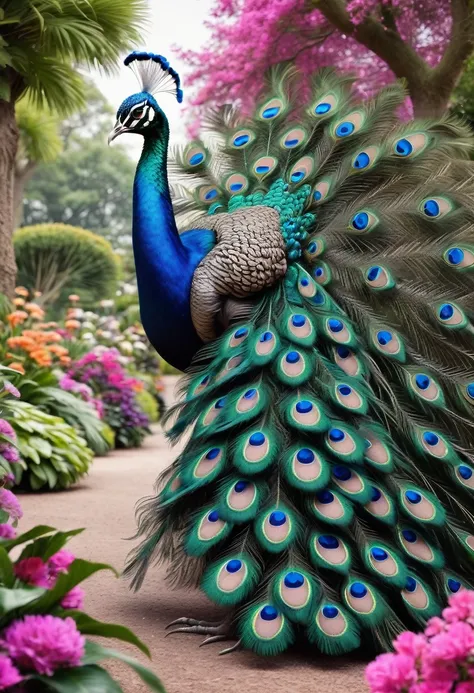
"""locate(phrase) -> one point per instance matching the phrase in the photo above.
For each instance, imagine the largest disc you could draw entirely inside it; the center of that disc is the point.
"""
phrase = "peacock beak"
(118, 130)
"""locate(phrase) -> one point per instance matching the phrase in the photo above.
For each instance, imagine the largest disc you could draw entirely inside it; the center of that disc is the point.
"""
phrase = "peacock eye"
(139, 113)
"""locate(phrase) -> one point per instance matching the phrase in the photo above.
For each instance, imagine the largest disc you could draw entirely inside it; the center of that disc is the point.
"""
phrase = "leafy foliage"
(39, 133)
(57, 259)
(148, 405)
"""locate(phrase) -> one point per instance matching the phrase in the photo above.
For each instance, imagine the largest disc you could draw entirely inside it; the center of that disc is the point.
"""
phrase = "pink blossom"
(410, 644)
(10, 453)
(9, 503)
(391, 673)
(434, 626)
(44, 643)
(74, 599)
(60, 562)
(33, 571)
(461, 606)
(9, 674)
(6, 429)
(465, 687)
(455, 644)
(7, 531)
(11, 389)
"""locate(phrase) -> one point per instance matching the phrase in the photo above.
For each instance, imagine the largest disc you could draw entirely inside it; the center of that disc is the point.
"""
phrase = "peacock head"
(140, 113)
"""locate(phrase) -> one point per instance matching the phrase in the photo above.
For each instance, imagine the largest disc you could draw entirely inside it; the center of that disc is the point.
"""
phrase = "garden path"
(104, 504)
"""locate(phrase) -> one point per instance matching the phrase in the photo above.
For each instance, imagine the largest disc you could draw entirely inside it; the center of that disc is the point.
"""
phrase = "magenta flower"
(11, 389)
(391, 673)
(11, 454)
(9, 503)
(44, 643)
(33, 571)
(9, 674)
(74, 599)
(461, 606)
(60, 562)
(455, 644)
(7, 531)
(6, 429)
(410, 644)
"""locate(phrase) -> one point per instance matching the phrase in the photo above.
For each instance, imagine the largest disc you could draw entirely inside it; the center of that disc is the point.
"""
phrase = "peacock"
(313, 274)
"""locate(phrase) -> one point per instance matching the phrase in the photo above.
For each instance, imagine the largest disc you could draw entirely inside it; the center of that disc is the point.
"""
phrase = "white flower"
(88, 337)
(126, 347)
(106, 334)
(88, 325)
(107, 303)
(139, 346)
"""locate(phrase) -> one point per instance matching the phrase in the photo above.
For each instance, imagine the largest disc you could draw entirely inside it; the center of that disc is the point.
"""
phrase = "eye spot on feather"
(453, 585)
(349, 125)
(450, 315)
(232, 575)
(465, 475)
(418, 506)
(315, 248)
(349, 398)
(425, 387)
(416, 546)
(208, 463)
(248, 401)
(331, 549)
(435, 207)
(379, 278)
(236, 184)
(321, 191)
(414, 594)
(365, 159)
(271, 110)
(470, 392)
(239, 336)
(195, 156)
(242, 496)
(322, 274)
(383, 562)
(325, 105)
(411, 145)
(268, 622)
(241, 139)
(264, 166)
(346, 360)
(211, 526)
(379, 505)
(359, 598)
(213, 412)
(202, 384)
(337, 331)
(293, 138)
(388, 343)
(301, 170)
(363, 221)
(327, 506)
(340, 442)
(208, 194)
(460, 258)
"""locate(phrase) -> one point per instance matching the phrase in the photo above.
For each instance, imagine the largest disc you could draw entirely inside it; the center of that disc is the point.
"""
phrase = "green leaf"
(18, 598)
(37, 531)
(86, 679)
(96, 653)
(3, 516)
(78, 572)
(4, 86)
(45, 547)
(7, 576)
(43, 447)
(89, 626)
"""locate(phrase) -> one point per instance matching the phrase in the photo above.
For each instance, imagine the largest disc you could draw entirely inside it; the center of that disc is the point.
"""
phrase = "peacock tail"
(324, 490)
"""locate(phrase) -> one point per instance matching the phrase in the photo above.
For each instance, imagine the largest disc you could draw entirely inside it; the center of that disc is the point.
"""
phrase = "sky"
(172, 22)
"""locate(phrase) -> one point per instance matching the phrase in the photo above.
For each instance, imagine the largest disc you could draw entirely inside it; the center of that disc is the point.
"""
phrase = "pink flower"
(465, 687)
(9, 503)
(461, 606)
(11, 389)
(44, 643)
(60, 562)
(33, 571)
(11, 454)
(455, 644)
(435, 626)
(410, 644)
(9, 674)
(74, 599)
(7, 531)
(391, 673)
(6, 429)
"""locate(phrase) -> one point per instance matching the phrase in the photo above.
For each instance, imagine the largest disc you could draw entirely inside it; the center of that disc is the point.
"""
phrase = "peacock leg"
(215, 631)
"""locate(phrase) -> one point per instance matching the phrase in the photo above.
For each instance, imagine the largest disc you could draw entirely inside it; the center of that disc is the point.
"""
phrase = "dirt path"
(104, 504)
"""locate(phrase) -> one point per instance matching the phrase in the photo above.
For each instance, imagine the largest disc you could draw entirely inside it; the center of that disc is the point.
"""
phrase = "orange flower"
(65, 360)
(74, 298)
(38, 294)
(17, 367)
(41, 356)
(138, 386)
(21, 342)
(17, 317)
(58, 350)
(19, 301)
(35, 310)
(21, 291)
(72, 324)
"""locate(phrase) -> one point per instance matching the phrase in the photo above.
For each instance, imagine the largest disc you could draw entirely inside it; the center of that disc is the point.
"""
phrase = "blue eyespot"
(271, 112)
(345, 129)
(277, 518)
(304, 406)
(454, 585)
(375, 494)
(384, 337)
(234, 565)
(266, 337)
(291, 143)
(431, 208)
(262, 169)
(297, 176)
(325, 497)
(220, 403)
(294, 580)
(360, 221)
(305, 456)
(358, 590)
(455, 256)
(304, 281)
(430, 438)
(213, 516)
(410, 584)
(374, 273)
(343, 352)
(250, 393)
(327, 541)
(345, 390)
(213, 453)
(196, 159)
(319, 272)
(362, 161)
(205, 380)
(235, 187)
(465, 472)
(241, 332)
(422, 381)
(409, 535)
(446, 311)
(292, 357)
(317, 195)
(403, 147)
(342, 473)
(470, 390)
(330, 611)
(322, 108)
(378, 554)
(336, 435)
(312, 247)
(240, 486)
(298, 320)
(257, 439)
(413, 497)
(269, 613)
(335, 325)
(241, 140)
(211, 194)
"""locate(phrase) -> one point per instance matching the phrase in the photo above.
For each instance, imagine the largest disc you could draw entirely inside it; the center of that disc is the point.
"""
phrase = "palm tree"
(43, 44)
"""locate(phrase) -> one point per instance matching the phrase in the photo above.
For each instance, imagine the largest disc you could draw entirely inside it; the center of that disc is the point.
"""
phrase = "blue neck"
(164, 266)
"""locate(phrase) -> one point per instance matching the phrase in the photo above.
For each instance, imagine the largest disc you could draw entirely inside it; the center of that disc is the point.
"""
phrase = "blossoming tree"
(425, 42)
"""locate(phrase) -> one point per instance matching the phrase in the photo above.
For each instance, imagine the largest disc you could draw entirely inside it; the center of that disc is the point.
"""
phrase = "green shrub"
(167, 369)
(53, 453)
(148, 405)
(58, 259)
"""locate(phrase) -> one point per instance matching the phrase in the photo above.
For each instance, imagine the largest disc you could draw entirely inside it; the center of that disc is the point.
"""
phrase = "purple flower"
(33, 571)
(7, 531)
(74, 599)
(10, 453)
(9, 674)
(6, 429)
(44, 643)
(60, 562)
(9, 503)
(9, 387)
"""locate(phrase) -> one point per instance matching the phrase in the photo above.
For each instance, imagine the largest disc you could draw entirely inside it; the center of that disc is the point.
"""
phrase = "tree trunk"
(22, 176)
(8, 149)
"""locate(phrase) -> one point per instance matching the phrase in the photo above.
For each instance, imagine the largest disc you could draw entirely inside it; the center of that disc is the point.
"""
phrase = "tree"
(42, 44)
(425, 42)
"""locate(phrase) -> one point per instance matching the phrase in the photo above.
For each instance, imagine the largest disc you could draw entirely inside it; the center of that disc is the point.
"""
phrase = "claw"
(213, 638)
(192, 622)
(233, 648)
(201, 630)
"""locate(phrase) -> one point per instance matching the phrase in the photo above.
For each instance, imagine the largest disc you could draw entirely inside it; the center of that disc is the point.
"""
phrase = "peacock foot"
(215, 631)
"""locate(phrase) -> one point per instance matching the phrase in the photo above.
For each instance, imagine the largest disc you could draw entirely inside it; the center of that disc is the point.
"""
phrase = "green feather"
(365, 602)
(276, 528)
(294, 366)
(331, 506)
(420, 505)
(206, 529)
(416, 546)
(262, 635)
(331, 552)
(239, 500)
(256, 449)
(333, 630)
(294, 593)
(420, 600)
(385, 563)
(305, 468)
(230, 580)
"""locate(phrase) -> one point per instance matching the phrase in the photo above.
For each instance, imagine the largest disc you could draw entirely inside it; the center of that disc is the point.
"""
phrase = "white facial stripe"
(151, 114)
